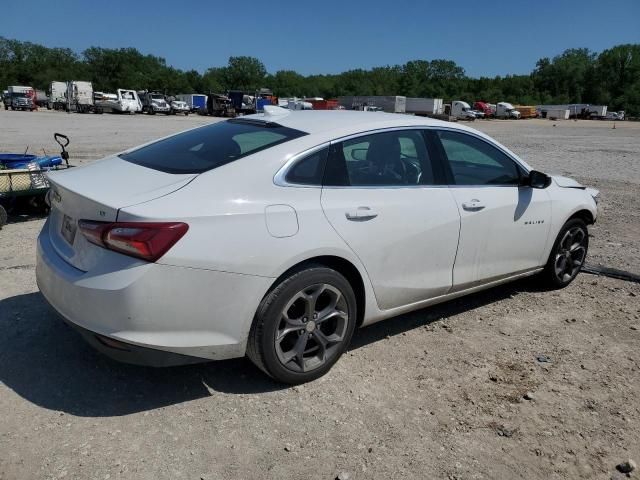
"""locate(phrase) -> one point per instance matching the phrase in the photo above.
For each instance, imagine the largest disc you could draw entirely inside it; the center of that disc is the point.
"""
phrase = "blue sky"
(491, 37)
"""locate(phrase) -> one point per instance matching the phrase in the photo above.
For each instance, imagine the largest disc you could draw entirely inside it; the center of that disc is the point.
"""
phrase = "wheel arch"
(585, 215)
(341, 265)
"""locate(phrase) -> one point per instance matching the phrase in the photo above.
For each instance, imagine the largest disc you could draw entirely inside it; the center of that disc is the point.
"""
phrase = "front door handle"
(361, 214)
(474, 205)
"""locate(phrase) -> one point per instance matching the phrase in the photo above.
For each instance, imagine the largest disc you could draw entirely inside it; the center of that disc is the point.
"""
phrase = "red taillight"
(148, 241)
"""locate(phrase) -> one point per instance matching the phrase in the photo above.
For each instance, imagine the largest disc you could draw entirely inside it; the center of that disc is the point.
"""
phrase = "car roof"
(342, 122)
(327, 125)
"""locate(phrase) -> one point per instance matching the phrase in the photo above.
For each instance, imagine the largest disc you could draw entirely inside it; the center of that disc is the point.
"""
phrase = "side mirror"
(359, 154)
(537, 179)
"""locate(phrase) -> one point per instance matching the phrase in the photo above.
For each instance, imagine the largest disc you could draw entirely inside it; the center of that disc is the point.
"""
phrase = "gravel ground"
(513, 382)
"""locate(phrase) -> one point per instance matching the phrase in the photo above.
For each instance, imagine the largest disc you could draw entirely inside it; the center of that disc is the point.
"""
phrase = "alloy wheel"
(312, 326)
(570, 254)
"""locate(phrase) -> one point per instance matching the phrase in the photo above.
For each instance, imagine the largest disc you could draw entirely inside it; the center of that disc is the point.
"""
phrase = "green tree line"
(611, 77)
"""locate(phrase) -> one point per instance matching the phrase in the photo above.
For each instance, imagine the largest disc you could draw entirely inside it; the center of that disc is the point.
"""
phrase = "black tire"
(3, 216)
(550, 277)
(262, 343)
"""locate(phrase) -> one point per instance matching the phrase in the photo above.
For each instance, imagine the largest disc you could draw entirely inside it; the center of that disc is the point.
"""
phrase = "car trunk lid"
(97, 192)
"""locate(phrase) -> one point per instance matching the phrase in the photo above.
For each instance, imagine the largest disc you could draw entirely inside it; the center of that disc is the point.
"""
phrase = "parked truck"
(154, 102)
(506, 110)
(460, 110)
(243, 103)
(196, 101)
(488, 109)
(390, 104)
(22, 98)
(424, 106)
(123, 101)
(57, 96)
(79, 96)
(42, 99)
(219, 105)
(597, 111)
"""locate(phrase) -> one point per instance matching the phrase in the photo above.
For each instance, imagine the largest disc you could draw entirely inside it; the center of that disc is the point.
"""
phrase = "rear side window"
(309, 170)
(211, 146)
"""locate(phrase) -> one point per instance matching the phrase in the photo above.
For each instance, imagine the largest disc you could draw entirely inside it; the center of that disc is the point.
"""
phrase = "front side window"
(475, 162)
(397, 158)
(211, 146)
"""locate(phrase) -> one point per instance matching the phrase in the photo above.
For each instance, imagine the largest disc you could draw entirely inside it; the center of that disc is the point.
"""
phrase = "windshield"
(19, 95)
(157, 97)
(211, 146)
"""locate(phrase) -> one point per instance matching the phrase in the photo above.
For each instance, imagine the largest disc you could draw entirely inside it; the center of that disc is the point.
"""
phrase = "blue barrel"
(262, 102)
(18, 160)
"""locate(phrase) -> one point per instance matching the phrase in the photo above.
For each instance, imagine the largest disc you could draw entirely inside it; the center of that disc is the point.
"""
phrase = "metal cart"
(28, 183)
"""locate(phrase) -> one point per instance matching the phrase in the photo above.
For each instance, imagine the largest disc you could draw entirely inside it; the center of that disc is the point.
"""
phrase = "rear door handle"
(361, 214)
(474, 205)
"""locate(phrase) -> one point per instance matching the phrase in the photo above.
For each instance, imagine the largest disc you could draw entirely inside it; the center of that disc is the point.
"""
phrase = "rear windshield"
(211, 146)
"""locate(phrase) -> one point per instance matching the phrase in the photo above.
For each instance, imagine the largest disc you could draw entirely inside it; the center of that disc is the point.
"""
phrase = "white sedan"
(276, 235)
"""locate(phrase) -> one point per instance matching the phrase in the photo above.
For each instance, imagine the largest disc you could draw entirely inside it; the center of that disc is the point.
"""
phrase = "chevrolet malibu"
(276, 235)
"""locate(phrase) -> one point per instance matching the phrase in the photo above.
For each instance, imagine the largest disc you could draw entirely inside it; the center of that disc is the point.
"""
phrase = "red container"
(331, 104)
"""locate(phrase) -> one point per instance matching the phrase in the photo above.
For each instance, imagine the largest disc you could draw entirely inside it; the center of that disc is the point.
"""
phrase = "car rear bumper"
(185, 311)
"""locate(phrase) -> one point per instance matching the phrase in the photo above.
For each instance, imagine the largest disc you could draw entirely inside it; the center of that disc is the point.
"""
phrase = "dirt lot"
(438, 393)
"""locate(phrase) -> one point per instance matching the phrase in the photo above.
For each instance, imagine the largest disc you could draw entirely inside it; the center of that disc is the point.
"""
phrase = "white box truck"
(196, 101)
(22, 98)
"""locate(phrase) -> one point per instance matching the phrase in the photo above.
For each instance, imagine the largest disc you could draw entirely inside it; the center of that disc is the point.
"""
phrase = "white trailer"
(424, 106)
(57, 96)
(124, 101)
(129, 101)
(576, 110)
(598, 111)
(558, 113)
(79, 96)
(390, 104)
